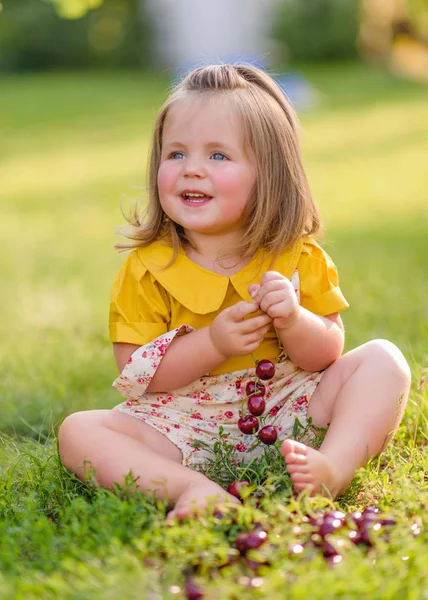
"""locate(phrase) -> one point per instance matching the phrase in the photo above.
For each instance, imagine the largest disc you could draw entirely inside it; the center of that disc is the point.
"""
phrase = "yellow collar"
(203, 291)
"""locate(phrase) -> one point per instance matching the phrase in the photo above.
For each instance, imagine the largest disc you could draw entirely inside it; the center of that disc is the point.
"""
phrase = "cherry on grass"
(193, 591)
(235, 488)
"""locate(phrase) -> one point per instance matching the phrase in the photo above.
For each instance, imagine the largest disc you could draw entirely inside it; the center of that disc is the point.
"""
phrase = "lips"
(195, 196)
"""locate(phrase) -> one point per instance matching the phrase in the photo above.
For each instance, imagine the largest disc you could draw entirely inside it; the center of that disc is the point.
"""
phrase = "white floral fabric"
(195, 412)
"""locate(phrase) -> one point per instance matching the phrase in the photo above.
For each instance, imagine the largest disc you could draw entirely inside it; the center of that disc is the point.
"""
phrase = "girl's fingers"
(258, 335)
(253, 289)
(254, 323)
(272, 298)
(239, 311)
(270, 276)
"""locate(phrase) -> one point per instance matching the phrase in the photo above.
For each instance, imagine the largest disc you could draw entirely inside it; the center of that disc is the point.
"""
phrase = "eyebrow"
(213, 144)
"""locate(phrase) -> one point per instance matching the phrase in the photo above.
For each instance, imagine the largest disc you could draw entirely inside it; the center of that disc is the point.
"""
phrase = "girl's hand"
(234, 335)
(276, 297)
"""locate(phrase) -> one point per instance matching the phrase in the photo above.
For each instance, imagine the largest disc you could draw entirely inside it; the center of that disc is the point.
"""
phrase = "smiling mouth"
(195, 198)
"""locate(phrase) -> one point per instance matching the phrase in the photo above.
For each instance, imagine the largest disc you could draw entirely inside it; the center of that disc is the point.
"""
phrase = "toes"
(296, 459)
(296, 468)
(291, 447)
(301, 478)
(300, 487)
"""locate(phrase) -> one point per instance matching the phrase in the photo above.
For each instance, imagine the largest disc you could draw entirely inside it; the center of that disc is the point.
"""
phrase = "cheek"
(166, 179)
(238, 184)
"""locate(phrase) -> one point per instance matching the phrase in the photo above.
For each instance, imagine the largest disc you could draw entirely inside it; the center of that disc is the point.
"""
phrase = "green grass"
(72, 146)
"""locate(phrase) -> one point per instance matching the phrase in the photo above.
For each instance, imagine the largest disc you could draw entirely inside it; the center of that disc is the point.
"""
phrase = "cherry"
(329, 526)
(334, 559)
(354, 536)
(241, 543)
(371, 510)
(255, 387)
(256, 538)
(365, 536)
(235, 488)
(193, 591)
(256, 405)
(357, 515)
(265, 369)
(248, 424)
(250, 540)
(268, 435)
(328, 549)
(335, 514)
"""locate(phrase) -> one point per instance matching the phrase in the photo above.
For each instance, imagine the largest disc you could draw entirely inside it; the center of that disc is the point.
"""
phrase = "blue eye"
(219, 154)
(177, 155)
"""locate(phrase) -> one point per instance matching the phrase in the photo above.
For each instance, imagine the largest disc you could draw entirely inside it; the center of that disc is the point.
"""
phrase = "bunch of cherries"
(255, 391)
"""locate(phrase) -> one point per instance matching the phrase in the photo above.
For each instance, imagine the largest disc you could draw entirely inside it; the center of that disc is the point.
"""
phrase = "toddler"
(224, 270)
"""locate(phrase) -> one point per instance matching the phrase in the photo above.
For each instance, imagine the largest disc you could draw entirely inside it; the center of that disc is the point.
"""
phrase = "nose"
(193, 168)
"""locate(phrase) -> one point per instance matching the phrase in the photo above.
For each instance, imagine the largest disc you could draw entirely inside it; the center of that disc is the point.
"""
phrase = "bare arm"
(313, 342)
(197, 353)
(188, 357)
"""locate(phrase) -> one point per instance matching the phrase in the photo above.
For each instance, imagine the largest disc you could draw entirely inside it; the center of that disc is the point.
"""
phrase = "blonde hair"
(281, 209)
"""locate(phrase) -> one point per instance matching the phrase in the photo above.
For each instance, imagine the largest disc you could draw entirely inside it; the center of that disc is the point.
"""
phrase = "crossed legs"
(361, 398)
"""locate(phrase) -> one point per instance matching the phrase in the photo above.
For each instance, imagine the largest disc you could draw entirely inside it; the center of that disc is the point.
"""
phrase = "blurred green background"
(77, 101)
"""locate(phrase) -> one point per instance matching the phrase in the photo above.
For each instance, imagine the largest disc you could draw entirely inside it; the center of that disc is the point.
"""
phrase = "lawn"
(73, 149)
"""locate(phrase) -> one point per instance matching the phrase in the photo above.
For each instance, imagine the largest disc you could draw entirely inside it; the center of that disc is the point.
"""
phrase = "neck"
(216, 253)
(215, 246)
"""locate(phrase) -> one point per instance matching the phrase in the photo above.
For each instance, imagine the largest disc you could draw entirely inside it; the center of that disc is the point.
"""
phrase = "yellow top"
(148, 300)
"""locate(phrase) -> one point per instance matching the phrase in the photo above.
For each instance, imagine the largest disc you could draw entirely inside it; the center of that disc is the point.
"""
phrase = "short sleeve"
(139, 306)
(319, 281)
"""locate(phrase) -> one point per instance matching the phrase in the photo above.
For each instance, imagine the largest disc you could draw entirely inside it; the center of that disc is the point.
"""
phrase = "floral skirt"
(196, 412)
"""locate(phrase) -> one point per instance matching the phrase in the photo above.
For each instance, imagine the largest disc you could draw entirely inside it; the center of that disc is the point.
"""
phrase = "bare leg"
(115, 444)
(362, 396)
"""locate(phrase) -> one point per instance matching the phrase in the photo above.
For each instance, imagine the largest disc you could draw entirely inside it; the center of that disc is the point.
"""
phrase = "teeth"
(191, 195)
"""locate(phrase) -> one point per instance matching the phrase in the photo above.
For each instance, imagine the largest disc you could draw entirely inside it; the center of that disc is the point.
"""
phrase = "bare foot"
(309, 469)
(196, 497)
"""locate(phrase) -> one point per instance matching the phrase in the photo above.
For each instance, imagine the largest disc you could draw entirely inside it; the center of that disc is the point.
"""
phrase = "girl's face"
(205, 177)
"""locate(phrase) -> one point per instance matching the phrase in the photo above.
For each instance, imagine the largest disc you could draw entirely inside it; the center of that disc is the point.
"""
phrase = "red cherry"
(248, 424)
(265, 369)
(255, 387)
(335, 514)
(193, 591)
(235, 488)
(268, 435)
(255, 539)
(256, 405)
(241, 543)
(354, 536)
(328, 548)
(365, 537)
(329, 526)
(334, 559)
(371, 510)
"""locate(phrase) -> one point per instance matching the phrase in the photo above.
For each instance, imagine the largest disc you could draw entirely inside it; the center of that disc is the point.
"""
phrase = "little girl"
(225, 268)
